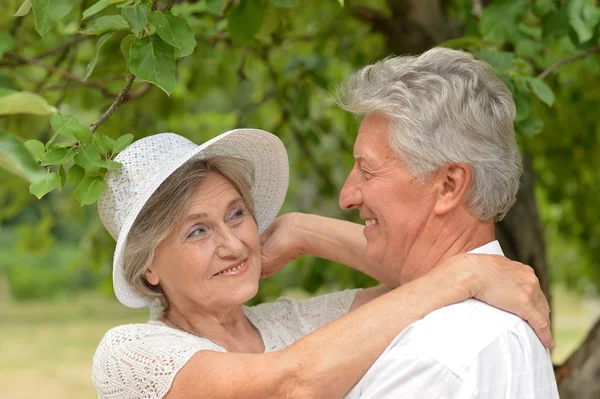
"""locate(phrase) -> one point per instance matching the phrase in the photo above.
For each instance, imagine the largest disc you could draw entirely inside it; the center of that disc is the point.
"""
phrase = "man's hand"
(508, 285)
(281, 243)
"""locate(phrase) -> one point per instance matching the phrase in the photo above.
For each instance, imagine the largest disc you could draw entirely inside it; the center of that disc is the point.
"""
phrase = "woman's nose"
(351, 196)
(230, 245)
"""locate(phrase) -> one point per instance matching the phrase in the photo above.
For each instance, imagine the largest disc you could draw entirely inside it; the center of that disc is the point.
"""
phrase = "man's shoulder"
(455, 335)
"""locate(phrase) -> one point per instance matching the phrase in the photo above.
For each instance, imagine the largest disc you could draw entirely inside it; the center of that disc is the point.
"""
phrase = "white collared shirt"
(466, 350)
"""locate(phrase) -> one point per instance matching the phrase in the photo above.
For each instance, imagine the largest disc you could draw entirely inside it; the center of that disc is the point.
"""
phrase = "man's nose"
(230, 246)
(351, 196)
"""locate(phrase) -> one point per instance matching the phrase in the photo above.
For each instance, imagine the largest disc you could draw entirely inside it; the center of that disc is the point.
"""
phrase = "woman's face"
(212, 259)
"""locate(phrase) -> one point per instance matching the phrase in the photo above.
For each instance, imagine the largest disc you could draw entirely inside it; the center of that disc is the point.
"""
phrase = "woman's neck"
(228, 328)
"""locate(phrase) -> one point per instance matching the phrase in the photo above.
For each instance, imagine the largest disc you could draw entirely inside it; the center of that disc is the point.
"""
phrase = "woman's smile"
(234, 271)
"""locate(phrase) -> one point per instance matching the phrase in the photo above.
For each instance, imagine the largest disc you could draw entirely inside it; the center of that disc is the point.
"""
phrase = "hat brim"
(271, 177)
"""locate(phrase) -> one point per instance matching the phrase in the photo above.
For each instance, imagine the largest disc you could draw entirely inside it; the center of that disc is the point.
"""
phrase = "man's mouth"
(370, 222)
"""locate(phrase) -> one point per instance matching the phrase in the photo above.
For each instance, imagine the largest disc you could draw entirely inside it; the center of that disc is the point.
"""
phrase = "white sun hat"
(148, 162)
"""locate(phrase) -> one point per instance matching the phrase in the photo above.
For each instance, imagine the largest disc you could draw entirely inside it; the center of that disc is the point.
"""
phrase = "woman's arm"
(296, 234)
(329, 362)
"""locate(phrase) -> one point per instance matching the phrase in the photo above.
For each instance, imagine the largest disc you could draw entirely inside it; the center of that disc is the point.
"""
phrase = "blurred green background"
(274, 64)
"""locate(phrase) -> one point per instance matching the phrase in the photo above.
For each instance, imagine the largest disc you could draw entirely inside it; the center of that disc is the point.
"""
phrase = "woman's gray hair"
(445, 107)
(166, 209)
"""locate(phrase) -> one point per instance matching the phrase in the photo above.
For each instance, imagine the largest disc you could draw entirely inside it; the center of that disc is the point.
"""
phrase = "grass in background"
(46, 347)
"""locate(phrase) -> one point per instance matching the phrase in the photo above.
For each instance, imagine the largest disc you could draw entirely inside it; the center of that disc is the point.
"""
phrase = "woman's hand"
(505, 284)
(281, 243)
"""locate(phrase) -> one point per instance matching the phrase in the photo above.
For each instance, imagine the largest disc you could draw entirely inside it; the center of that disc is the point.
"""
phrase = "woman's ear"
(151, 277)
(454, 182)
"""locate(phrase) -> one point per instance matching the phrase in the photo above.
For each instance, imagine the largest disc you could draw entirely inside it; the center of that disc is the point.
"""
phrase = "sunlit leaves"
(69, 125)
(499, 19)
(24, 9)
(75, 175)
(584, 16)
(48, 12)
(43, 186)
(174, 31)
(16, 158)
(153, 60)
(105, 24)
(57, 156)
(499, 60)
(286, 3)
(24, 102)
(244, 21)
(541, 90)
(121, 143)
(99, 6)
(89, 190)
(137, 17)
(36, 148)
(101, 40)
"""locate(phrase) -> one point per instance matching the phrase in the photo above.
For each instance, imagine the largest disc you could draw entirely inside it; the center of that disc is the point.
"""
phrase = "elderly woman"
(187, 221)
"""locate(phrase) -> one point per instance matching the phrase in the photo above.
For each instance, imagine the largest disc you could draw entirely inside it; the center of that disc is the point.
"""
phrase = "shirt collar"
(491, 248)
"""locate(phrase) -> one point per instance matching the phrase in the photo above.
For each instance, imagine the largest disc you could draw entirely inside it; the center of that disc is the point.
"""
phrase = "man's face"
(396, 208)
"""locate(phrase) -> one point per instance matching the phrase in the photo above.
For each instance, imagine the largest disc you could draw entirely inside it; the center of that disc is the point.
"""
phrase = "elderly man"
(436, 165)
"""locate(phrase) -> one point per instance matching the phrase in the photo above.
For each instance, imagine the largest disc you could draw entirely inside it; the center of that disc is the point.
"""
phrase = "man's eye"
(367, 175)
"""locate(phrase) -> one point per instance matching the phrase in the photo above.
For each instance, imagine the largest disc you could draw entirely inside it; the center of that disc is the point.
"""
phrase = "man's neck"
(443, 242)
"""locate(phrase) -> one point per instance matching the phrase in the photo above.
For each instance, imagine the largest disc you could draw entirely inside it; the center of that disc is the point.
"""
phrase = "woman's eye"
(238, 213)
(366, 175)
(197, 232)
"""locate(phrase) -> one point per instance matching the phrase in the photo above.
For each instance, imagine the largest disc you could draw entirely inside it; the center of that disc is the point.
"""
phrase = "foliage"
(221, 64)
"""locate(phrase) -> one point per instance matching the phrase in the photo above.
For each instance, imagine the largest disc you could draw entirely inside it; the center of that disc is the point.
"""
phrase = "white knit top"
(141, 360)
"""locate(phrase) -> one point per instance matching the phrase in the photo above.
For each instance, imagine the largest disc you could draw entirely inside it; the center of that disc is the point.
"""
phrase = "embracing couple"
(436, 165)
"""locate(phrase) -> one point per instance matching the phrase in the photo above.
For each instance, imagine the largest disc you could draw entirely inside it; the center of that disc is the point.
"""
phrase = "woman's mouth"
(234, 271)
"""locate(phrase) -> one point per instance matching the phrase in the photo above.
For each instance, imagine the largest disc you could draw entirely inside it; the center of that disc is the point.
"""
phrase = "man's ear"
(151, 277)
(453, 184)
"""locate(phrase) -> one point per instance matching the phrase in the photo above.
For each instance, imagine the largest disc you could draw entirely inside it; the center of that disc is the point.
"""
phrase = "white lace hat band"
(148, 162)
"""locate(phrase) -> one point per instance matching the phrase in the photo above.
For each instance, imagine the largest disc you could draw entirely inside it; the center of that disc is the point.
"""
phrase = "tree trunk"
(414, 27)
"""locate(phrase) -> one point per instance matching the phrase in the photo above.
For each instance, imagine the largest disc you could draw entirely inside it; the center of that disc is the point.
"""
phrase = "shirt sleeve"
(323, 309)
(141, 361)
(515, 365)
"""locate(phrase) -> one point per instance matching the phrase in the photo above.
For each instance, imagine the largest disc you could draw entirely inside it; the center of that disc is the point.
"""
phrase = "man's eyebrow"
(359, 156)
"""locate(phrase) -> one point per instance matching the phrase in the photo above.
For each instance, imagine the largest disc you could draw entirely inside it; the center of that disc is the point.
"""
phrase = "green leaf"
(82, 133)
(499, 60)
(43, 186)
(87, 157)
(341, 2)
(541, 90)
(101, 40)
(24, 102)
(102, 144)
(48, 12)
(175, 31)
(63, 176)
(126, 44)
(36, 148)
(7, 42)
(57, 156)
(543, 7)
(108, 164)
(215, 7)
(466, 43)
(531, 126)
(153, 60)
(61, 124)
(89, 190)
(583, 18)
(99, 6)
(105, 24)
(122, 142)
(24, 9)
(499, 20)
(523, 104)
(136, 17)
(287, 3)
(16, 158)
(244, 21)
(75, 175)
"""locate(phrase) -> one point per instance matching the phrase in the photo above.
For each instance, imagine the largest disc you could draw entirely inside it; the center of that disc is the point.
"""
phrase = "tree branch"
(66, 45)
(62, 73)
(378, 21)
(560, 63)
(115, 104)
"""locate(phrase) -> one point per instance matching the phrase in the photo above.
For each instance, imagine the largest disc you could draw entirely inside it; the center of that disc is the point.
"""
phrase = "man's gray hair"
(445, 107)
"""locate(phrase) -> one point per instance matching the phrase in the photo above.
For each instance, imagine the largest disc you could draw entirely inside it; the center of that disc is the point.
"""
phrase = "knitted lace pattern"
(141, 360)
